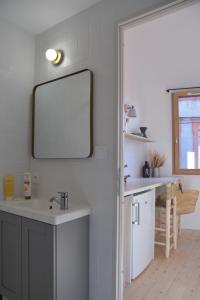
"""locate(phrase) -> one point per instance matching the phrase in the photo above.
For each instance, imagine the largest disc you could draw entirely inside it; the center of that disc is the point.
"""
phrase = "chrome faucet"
(62, 200)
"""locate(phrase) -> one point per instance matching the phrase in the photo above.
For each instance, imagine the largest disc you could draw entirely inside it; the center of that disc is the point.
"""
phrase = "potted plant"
(157, 161)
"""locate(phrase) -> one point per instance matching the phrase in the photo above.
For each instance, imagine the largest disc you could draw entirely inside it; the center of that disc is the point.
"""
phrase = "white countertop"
(138, 185)
(38, 209)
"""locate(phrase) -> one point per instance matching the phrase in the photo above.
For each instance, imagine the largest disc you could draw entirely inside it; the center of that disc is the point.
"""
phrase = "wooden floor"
(175, 278)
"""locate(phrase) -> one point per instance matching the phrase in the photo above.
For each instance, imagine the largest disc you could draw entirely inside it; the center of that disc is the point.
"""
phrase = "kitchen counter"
(138, 185)
(38, 209)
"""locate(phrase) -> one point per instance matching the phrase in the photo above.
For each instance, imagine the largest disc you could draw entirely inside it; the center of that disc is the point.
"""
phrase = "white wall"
(16, 81)
(135, 152)
(90, 40)
(164, 53)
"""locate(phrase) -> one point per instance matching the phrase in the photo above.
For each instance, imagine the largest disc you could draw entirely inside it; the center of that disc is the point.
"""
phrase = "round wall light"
(54, 56)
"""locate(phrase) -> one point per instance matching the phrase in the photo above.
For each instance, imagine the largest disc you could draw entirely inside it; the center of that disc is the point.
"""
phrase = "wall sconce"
(130, 112)
(54, 56)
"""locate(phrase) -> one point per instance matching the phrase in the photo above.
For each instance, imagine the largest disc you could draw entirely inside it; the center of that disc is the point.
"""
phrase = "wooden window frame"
(175, 131)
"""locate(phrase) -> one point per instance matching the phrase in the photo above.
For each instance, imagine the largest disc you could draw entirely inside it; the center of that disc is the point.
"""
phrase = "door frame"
(122, 26)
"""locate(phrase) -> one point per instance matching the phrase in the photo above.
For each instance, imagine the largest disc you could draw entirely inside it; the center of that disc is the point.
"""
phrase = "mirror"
(62, 117)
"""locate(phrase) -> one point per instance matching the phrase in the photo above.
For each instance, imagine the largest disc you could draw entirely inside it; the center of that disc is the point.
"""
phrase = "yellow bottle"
(8, 187)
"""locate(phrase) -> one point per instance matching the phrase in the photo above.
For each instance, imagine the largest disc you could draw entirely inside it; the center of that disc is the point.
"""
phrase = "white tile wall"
(16, 81)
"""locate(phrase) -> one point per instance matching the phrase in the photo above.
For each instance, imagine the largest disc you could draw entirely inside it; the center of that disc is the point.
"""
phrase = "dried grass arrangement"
(157, 160)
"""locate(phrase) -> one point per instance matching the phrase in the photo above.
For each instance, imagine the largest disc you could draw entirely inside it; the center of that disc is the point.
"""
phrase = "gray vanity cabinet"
(38, 258)
(39, 261)
(10, 256)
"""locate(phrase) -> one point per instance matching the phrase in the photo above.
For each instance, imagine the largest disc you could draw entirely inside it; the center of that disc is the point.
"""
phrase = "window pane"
(189, 132)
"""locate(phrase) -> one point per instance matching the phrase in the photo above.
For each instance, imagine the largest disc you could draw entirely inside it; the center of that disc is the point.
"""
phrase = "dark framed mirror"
(63, 117)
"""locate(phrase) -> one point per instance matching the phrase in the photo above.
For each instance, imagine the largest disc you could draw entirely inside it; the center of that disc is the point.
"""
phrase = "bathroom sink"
(36, 204)
(41, 209)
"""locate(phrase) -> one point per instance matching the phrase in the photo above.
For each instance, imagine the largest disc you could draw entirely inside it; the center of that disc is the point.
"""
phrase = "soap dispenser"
(27, 185)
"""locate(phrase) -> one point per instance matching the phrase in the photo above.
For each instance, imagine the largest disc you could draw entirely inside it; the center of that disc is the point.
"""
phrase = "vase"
(156, 172)
(143, 131)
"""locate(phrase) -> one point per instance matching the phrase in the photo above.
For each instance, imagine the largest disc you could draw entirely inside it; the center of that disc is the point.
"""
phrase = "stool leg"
(174, 223)
(167, 246)
(179, 225)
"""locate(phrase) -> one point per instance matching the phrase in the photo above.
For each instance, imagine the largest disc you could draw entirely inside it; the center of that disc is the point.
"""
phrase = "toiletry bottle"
(27, 185)
(8, 187)
(146, 169)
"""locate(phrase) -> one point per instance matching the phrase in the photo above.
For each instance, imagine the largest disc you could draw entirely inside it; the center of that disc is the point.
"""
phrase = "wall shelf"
(138, 138)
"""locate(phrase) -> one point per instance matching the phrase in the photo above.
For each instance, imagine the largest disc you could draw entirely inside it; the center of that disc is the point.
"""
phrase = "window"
(186, 132)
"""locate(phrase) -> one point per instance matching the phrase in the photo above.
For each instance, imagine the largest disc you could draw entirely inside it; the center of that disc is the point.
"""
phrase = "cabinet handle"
(137, 209)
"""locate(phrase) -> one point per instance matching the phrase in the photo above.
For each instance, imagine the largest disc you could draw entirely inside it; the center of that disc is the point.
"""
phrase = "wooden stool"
(166, 219)
(186, 203)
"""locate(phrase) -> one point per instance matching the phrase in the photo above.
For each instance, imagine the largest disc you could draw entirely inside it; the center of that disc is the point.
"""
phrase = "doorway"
(123, 27)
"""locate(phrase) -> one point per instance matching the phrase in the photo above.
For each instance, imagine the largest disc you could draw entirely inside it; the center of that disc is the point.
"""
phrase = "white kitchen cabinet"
(139, 232)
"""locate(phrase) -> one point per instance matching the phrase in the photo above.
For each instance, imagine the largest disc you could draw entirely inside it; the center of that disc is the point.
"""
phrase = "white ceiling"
(36, 16)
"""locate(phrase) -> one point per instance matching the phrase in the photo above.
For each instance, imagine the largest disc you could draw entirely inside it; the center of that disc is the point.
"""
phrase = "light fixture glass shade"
(54, 56)
(51, 54)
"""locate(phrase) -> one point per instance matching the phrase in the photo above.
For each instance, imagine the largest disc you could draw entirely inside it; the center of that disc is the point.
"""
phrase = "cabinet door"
(127, 239)
(38, 260)
(10, 256)
(143, 218)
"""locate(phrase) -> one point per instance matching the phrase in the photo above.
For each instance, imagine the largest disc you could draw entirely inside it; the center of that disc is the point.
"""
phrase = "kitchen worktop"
(138, 185)
(38, 209)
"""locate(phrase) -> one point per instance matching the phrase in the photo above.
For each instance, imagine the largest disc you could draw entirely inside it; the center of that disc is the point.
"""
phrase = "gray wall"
(89, 39)
(16, 81)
